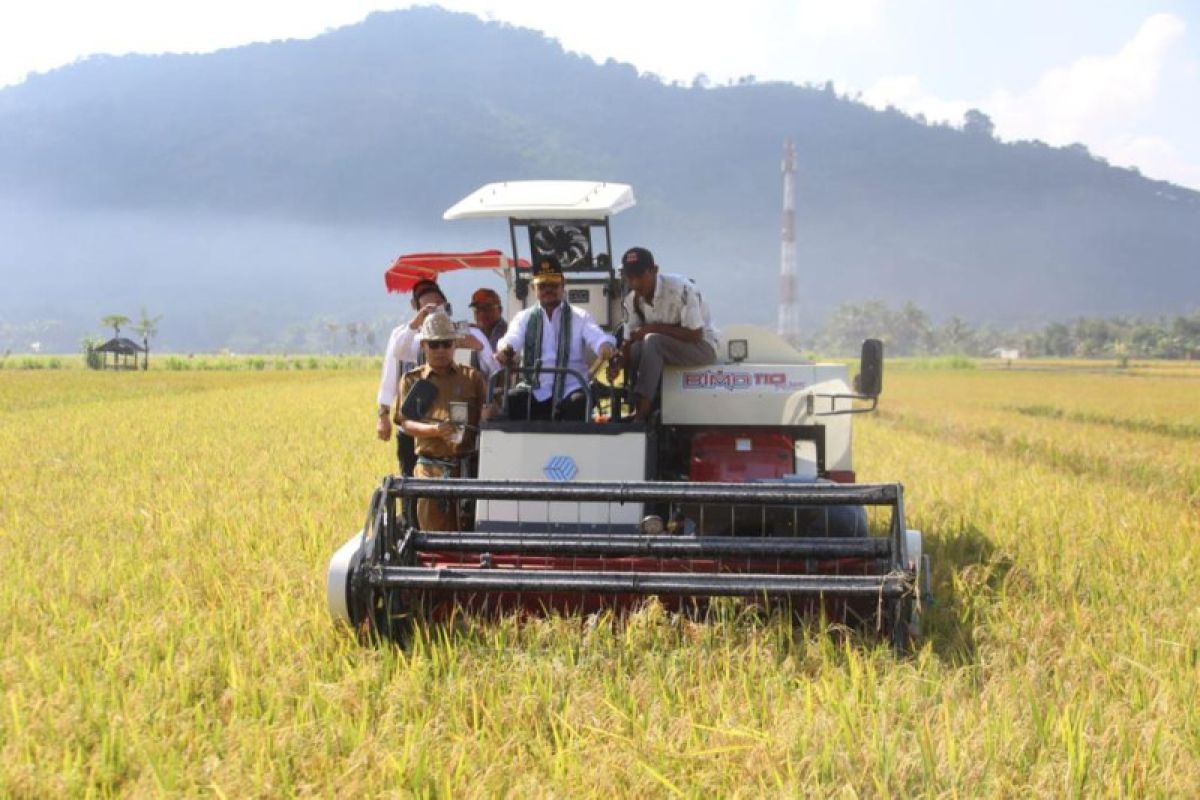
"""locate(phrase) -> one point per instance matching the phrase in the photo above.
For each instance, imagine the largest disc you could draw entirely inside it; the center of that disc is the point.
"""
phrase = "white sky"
(1122, 76)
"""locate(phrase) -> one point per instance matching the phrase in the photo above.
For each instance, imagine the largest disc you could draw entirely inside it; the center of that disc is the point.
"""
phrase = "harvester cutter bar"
(441, 579)
(803, 494)
(668, 547)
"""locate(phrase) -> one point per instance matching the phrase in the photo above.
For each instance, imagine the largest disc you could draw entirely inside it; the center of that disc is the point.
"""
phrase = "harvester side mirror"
(419, 399)
(870, 369)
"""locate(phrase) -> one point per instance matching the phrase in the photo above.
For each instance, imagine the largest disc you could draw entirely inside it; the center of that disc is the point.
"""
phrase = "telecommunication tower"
(789, 316)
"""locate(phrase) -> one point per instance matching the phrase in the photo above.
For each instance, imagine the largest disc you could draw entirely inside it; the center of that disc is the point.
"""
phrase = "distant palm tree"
(147, 326)
(115, 321)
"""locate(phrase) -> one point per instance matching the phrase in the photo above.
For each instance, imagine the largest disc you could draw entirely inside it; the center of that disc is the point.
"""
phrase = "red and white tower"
(789, 314)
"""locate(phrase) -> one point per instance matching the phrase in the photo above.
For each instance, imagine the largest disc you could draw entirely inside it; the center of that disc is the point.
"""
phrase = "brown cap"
(484, 297)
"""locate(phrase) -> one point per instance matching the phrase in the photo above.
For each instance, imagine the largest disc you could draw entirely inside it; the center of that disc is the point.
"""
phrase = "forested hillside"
(247, 190)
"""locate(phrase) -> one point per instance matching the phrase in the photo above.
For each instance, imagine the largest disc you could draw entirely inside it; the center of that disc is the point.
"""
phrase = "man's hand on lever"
(617, 361)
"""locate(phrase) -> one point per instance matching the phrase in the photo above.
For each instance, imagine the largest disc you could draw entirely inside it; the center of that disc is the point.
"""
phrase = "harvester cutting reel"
(391, 573)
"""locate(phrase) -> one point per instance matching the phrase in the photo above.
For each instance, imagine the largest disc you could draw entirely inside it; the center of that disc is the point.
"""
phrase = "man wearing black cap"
(551, 333)
(403, 348)
(666, 322)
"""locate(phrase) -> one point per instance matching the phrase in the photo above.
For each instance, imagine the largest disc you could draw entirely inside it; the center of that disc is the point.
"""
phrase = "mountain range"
(247, 193)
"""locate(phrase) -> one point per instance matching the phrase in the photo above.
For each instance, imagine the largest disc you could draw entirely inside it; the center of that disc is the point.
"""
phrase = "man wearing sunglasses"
(442, 445)
(552, 333)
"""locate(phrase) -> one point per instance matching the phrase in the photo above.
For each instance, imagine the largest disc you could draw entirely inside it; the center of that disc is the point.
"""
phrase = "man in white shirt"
(666, 322)
(552, 333)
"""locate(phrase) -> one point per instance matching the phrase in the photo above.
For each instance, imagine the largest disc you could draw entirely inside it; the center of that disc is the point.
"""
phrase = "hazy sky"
(1122, 77)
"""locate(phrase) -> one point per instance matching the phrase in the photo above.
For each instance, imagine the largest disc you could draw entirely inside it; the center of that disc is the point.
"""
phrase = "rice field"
(164, 535)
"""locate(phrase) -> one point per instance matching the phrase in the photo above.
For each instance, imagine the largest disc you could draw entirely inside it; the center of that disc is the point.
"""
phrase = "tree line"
(910, 331)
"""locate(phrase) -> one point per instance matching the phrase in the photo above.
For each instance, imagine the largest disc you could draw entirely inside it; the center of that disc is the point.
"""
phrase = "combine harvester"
(741, 485)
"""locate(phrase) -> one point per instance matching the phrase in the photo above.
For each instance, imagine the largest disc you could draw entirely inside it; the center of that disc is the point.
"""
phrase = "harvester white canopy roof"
(544, 200)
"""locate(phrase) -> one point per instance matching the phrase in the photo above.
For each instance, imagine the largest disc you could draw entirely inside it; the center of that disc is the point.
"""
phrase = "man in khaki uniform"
(441, 444)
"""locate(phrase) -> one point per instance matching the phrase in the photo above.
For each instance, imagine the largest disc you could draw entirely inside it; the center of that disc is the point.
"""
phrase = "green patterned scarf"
(532, 358)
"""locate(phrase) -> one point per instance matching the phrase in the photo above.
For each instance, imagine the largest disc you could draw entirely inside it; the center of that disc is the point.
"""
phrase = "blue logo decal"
(560, 468)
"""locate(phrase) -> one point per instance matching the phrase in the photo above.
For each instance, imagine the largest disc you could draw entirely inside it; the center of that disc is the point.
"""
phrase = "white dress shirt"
(677, 301)
(405, 345)
(584, 331)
